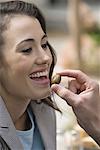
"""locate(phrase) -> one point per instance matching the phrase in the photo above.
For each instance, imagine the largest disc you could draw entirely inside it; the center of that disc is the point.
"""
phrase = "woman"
(27, 60)
(26, 64)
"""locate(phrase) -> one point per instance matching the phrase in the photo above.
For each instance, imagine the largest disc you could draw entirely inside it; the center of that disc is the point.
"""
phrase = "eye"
(45, 45)
(27, 51)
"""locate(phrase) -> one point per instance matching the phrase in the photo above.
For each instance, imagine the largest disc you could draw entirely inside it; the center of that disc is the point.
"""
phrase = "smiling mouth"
(39, 76)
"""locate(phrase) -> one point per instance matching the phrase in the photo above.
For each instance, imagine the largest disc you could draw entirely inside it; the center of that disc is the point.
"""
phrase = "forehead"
(21, 27)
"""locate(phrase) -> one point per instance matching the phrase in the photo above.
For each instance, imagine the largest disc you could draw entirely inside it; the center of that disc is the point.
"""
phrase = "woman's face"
(27, 59)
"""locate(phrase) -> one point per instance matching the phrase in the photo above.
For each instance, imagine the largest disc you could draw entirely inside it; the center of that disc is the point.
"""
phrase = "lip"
(42, 81)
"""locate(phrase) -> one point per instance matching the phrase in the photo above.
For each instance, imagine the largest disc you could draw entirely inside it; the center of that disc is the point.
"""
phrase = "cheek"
(16, 64)
(22, 66)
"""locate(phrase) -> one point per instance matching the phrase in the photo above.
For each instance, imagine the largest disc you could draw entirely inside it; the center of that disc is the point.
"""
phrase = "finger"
(65, 94)
(74, 86)
(77, 74)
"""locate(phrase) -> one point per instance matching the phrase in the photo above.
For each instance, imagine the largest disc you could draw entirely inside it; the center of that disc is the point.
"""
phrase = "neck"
(23, 123)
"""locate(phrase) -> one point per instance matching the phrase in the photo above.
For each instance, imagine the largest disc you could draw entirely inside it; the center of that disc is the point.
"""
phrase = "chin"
(43, 95)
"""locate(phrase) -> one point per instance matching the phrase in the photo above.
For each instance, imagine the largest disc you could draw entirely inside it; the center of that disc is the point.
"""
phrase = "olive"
(56, 79)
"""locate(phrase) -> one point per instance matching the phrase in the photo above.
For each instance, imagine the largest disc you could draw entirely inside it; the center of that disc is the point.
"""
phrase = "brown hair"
(7, 11)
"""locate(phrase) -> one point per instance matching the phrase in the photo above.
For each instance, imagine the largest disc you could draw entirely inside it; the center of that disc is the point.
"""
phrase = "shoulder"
(3, 144)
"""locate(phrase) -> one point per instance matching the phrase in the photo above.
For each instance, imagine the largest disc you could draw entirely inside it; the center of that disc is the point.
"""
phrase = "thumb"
(67, 95)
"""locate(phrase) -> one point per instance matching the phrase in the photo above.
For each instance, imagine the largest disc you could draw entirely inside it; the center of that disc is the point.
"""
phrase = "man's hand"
(83, 95)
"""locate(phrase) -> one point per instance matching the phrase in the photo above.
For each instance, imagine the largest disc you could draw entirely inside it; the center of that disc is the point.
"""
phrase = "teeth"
(39, 74)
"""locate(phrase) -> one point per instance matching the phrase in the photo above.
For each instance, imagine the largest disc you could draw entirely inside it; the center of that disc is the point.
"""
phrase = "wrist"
(96, 135)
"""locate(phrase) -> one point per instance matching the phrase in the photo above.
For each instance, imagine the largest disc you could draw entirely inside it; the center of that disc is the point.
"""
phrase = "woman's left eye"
(27, 51)
(44, 46)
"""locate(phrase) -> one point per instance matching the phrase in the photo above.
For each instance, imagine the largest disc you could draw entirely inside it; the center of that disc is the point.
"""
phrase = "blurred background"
(73, 27)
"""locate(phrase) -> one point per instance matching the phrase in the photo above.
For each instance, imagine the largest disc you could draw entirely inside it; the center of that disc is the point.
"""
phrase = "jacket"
(45, 119)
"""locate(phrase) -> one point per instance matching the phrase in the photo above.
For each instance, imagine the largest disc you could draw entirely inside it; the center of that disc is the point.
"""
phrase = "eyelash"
(28, 50)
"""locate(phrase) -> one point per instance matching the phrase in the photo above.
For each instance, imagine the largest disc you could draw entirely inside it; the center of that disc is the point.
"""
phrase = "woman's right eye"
(27, 51)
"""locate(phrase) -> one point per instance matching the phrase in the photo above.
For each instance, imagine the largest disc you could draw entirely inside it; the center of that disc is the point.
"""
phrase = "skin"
(83, 96)
(16, 87)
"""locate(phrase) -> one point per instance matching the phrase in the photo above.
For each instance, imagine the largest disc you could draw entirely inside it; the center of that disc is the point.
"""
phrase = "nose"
(43, 56)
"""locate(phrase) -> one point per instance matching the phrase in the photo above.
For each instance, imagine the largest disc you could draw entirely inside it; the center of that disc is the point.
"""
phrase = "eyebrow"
(32, 40)
(44, 36)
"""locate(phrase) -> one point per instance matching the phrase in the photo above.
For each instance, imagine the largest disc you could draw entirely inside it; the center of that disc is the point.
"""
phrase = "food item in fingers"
(56, 79)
